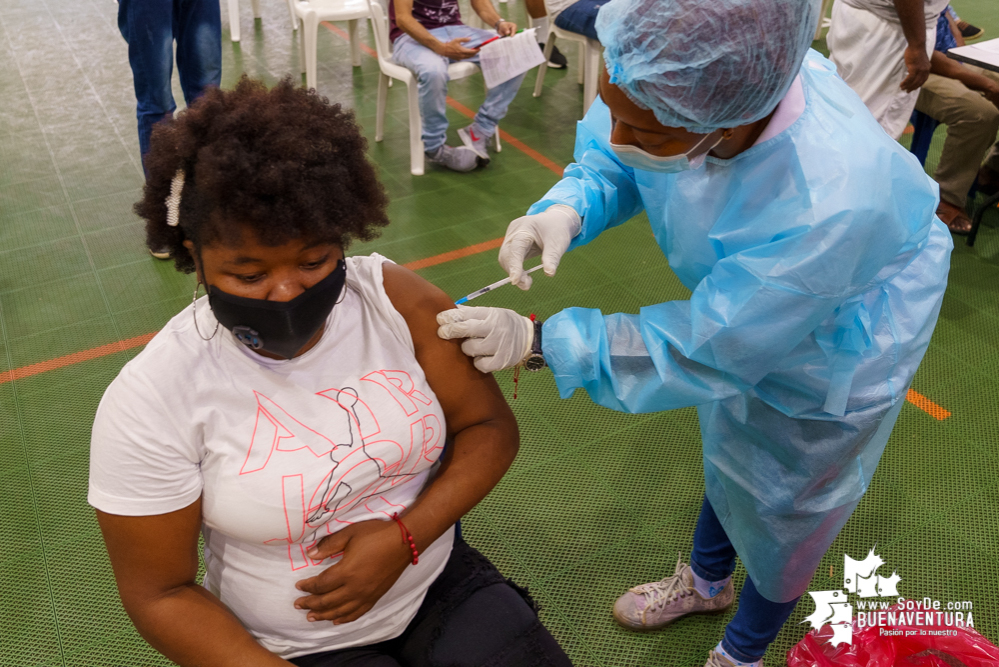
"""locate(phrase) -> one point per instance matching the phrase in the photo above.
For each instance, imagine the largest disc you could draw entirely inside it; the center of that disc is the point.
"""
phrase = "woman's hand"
(374, 557)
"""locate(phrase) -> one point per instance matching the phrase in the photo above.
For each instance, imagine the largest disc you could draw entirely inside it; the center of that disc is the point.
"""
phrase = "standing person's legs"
(758, 620)
(755, 625)
(972, 123)
(430, 71)
(147, 26)
(713, 556)
(198, 30)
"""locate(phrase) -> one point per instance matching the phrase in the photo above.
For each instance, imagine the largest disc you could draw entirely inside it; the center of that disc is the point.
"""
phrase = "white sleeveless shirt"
(282, 453)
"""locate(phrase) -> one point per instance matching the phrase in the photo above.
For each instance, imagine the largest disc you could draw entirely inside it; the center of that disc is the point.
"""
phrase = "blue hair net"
(704, 65)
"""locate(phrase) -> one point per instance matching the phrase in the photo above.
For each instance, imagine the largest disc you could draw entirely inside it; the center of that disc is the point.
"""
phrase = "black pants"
(471, 617)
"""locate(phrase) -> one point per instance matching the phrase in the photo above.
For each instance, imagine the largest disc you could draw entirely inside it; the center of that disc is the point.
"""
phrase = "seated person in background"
(428, 35)
(537, 16)
(965, 98)
(579, 17)
(297, 415)
(969, 32)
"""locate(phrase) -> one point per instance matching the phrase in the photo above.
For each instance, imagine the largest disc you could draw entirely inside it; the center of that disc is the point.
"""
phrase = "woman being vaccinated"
(296, 416)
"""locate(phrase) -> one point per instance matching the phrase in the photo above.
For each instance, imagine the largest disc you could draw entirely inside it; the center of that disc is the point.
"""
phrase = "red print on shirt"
(351, 442)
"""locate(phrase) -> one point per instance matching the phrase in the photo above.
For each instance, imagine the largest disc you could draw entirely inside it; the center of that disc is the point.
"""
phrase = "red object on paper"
(960, 647)
(491, 39)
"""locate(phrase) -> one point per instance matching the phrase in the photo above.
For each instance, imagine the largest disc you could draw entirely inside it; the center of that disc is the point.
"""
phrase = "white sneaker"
(659, 603)
(473, 139)
(456, 159)
(716, 659)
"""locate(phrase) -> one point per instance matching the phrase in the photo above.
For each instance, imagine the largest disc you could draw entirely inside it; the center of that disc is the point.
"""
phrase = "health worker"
(817, 267)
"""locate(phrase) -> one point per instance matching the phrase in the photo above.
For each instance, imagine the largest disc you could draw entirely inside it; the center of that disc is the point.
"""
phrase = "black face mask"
(281, 327)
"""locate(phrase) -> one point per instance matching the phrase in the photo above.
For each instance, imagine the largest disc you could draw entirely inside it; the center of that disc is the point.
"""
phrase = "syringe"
(490, 288)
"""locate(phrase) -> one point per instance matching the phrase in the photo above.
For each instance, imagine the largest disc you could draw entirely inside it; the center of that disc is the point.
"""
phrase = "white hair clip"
(173, 201)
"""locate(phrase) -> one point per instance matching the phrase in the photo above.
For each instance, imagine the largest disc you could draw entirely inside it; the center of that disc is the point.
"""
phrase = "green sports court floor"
(596, 501)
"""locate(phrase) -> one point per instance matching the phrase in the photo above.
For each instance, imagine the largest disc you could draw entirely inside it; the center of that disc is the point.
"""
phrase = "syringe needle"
(490, 288)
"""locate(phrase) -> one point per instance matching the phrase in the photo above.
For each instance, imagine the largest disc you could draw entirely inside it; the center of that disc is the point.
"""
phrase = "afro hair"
(284, 162)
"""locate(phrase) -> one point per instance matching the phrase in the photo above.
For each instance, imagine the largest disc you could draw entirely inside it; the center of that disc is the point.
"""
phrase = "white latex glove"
(548, 234)
(496, 338)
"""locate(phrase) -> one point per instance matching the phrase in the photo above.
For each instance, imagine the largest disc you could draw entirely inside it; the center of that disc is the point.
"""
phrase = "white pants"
(869, 53)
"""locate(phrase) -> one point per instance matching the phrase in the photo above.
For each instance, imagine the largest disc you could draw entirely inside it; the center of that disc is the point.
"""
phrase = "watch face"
(534, 363)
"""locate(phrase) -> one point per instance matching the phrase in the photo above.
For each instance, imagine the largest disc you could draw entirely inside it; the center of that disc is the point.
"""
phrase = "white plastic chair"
(306, 16)
(589, 61)
(391, 70)
(234, 17)
(824, 20)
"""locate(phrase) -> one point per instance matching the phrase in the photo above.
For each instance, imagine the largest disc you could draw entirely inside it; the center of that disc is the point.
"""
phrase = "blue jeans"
(430, 70)
(758, 620)
(150, 28)
(581, 17)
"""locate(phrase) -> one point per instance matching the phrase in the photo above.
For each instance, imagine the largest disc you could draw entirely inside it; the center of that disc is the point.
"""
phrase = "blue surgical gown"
(817, 269)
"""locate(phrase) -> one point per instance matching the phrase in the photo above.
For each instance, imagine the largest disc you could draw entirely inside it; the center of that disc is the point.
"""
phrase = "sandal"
(955, 219)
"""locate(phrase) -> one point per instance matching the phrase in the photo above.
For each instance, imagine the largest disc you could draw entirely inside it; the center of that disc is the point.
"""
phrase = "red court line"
(75, 358)
(454, 254)
(927, 405)
(468, 113)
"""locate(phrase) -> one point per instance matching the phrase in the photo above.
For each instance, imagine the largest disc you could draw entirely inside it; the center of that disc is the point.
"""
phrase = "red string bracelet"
(407, 538)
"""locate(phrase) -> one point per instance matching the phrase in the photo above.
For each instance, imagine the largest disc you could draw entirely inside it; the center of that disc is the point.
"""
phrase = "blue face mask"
(636, 158)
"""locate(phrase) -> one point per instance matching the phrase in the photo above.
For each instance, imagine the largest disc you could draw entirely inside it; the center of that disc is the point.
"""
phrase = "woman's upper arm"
(152, 556)
(467, 396)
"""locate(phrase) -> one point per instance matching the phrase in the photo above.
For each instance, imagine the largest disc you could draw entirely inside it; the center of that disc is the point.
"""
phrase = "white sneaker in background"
(475, 140)
(456, 159)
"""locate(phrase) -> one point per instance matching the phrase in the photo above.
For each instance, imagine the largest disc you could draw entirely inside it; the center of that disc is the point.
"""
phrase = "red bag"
(962, 647)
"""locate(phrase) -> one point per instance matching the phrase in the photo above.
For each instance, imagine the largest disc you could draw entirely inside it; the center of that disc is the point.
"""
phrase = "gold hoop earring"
(194, 311)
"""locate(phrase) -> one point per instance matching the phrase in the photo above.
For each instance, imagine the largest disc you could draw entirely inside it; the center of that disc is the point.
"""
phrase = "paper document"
(985, 54)
(991, 45)
(503, 59)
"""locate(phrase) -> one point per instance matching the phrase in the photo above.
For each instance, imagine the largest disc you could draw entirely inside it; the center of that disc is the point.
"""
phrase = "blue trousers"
(758, 620)
(150, 27)
(430, 70)
(581, 17)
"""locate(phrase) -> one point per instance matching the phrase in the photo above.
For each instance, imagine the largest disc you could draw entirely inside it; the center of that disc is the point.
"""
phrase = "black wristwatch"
(535, 360)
